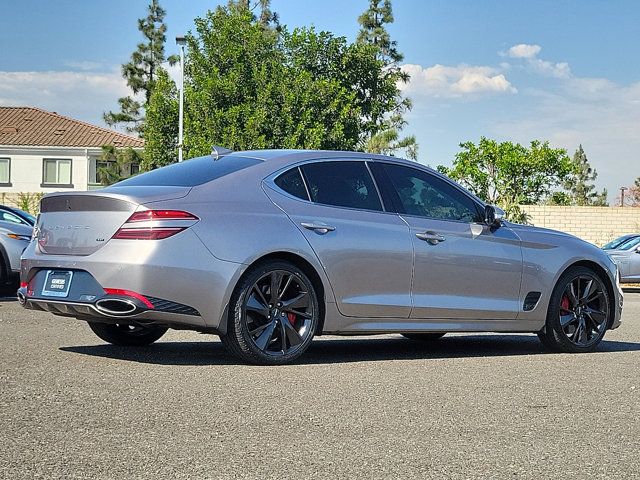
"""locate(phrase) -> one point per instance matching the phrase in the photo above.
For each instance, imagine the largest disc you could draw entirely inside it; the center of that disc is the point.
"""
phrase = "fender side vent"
(531, 301)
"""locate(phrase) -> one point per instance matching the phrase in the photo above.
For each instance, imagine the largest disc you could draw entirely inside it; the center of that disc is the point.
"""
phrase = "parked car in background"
(620, 241)
(268, 248)
(627, 257)
(14, 238)
(15, 215)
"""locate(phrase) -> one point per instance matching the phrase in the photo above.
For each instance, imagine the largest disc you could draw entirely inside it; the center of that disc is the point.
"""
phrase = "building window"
(56, 172)
(135, 168)
(5, 172)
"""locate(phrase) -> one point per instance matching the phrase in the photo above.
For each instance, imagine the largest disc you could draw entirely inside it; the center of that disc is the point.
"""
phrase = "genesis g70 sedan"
(268, 248)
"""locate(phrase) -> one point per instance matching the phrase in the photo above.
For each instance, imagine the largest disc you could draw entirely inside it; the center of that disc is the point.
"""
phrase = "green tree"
(382, 103)
(267, 17)
(579, 185)
(116, 164)
(141, 71)
(251, 87)
(508, 174)
(161, 124)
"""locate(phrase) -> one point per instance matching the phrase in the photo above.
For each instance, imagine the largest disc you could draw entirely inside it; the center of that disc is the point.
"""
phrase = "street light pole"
(622, 190)
(180, 40)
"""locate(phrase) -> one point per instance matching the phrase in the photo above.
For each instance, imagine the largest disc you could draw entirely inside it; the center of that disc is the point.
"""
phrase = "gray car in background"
(268, 248)
(627, 257)
(14, 238)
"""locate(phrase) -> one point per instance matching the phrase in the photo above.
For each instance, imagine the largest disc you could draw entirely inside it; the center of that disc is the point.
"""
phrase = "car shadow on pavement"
(344, 350)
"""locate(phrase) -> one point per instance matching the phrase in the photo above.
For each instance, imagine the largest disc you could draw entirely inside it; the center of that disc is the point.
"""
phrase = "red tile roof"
(36, 127)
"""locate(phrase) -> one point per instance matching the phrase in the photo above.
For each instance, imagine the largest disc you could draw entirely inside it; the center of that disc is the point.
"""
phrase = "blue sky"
(567, 71)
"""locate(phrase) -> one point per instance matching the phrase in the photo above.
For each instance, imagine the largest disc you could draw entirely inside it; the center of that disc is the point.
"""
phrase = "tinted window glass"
(617, 242)
(629, 244)
(343, 184)
(426, 195)
(190, 172)
(10, 217)
(291, 182)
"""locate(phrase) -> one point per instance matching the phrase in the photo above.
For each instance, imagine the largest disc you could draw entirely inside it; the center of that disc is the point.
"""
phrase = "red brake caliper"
(564, 303)
(292, 318)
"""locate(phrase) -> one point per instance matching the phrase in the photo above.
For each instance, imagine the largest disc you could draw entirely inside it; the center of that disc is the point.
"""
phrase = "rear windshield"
(190, 172)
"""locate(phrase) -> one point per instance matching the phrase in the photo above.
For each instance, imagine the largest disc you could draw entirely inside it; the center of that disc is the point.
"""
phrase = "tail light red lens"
(146, 233)
(161, 227)
(150, 215)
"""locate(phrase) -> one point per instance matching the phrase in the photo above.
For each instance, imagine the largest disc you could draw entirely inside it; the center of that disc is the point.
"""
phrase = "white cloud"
(80, 95)
(599, 114)
(455, 81)
(550, 69)
(529, 53)
(523, 50)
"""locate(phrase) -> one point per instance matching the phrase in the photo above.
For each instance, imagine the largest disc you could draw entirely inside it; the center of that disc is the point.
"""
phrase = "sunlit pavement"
(479, 406)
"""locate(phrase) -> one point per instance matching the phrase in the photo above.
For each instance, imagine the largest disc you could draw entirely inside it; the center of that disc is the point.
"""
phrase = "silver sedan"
(268, 248)
(627, 256)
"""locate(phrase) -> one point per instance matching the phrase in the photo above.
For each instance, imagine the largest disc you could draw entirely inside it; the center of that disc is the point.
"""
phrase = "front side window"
(425, 195)
(5, 171)
(56, 171)
(342, 184)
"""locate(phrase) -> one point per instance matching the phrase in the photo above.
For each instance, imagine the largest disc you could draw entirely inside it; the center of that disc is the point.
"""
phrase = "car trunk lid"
(81, 223)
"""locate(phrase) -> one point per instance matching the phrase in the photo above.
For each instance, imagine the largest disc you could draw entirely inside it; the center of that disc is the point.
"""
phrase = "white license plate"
(57, 283)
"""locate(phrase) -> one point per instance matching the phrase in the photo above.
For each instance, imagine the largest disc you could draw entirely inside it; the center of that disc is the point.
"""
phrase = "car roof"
(285, 157)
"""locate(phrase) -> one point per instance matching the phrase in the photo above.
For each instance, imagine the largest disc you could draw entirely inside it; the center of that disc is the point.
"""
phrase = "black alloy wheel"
(275, 315)
(579, 312)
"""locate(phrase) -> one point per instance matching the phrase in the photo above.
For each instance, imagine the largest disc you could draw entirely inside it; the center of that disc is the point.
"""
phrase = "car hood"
(524, 231)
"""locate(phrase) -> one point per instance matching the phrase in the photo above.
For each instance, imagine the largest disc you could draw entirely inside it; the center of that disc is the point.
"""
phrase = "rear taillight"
(150, 215)
(155, 225)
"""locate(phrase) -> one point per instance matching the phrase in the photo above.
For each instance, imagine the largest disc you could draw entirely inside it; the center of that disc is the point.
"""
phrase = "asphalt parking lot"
(479, 406)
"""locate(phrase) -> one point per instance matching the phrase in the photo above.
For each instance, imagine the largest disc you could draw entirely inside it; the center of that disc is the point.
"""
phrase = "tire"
(127, 335)
(4, 277)
(273, 314)
(579, 312)
(424, 337)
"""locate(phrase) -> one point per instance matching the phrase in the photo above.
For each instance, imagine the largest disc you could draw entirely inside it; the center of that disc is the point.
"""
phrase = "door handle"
(319, 228)
(432, 238)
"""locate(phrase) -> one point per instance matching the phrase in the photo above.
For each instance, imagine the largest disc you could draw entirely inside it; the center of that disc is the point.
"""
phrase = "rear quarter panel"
(238, 223)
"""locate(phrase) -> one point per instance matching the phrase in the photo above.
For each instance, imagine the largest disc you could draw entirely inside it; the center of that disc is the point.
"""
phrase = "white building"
(43, 152)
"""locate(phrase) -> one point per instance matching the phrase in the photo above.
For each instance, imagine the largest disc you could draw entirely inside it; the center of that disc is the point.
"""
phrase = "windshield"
(617, 242)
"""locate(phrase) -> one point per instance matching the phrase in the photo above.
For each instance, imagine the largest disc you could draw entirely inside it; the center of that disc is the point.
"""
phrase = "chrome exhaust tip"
(22, 299)
(116, 307)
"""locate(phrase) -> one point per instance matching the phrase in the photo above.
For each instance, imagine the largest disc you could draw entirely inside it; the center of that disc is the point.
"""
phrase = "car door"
(463, 269)
(365, 250)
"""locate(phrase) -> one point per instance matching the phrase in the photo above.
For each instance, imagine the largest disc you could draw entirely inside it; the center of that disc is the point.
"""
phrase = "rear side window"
(342, 184)
(190, 173)
(291, 182)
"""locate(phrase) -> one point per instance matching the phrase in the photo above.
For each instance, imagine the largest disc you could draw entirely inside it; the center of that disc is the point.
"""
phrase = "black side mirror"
(493, 216)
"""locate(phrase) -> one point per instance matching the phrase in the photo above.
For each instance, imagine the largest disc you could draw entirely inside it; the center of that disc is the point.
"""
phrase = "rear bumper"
(186, 284)
(89, 311)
